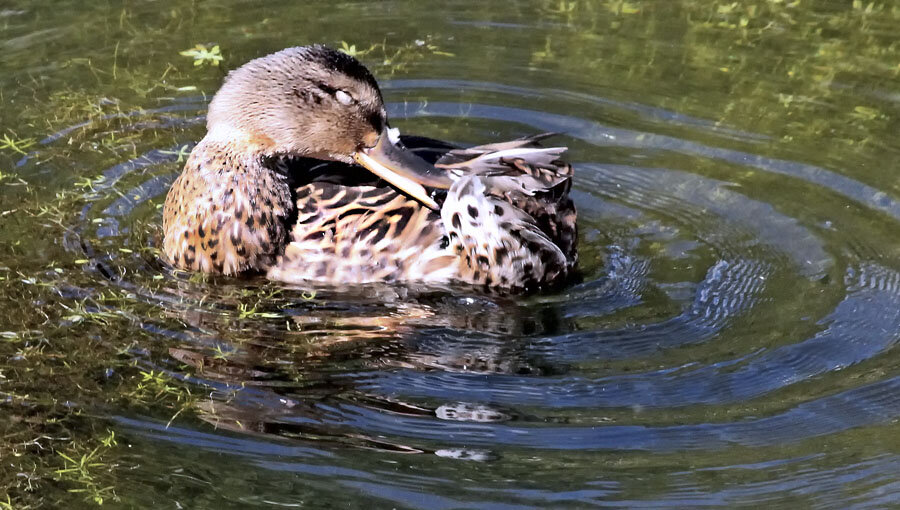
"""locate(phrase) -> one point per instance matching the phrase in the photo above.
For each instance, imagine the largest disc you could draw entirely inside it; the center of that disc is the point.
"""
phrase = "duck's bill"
(403, 169)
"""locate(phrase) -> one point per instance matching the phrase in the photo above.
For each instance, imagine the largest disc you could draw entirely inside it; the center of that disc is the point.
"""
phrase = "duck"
(300, 177)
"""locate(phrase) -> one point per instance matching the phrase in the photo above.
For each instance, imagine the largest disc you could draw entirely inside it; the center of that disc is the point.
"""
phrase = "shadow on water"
(730, 339)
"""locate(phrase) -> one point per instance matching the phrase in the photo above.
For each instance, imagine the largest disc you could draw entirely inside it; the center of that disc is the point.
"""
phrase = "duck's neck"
(222, 134)
(228, 211)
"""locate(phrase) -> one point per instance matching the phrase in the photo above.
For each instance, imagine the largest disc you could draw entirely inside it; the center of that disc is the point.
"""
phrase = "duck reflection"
(298, 373)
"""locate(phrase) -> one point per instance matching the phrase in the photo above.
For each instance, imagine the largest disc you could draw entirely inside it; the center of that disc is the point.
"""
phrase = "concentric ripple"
(709, 324)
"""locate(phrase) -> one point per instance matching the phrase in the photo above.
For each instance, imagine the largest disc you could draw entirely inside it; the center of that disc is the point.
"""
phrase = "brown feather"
(226, 213)
(507, 220)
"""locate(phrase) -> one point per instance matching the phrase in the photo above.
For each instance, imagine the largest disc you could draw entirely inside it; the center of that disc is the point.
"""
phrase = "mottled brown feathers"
(226, 213)
(506, 221)
(362, 234)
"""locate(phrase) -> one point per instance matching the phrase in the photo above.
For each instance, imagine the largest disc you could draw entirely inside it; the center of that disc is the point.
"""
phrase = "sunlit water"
(731, 338)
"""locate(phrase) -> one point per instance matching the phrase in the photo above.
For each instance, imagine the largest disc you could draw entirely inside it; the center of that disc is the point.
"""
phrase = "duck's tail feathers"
(498, 244)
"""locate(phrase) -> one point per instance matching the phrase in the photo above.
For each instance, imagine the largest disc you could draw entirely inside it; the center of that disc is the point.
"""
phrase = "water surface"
(731, 339)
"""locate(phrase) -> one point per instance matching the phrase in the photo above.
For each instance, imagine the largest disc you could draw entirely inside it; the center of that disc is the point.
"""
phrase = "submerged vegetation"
(203, 55)
(15, 145)
(75, 349)
(391, 59)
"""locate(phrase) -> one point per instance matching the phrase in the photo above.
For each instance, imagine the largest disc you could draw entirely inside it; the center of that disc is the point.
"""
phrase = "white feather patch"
(519, 153)
(393, 135)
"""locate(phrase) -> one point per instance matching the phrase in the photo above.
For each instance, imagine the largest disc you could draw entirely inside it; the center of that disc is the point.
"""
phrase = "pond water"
(731, 340)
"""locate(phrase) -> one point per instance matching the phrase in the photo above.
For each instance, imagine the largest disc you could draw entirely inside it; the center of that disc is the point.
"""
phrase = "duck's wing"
(427, 148)
(360, 234)
(507, 222)
(509, 215)
(521, 158)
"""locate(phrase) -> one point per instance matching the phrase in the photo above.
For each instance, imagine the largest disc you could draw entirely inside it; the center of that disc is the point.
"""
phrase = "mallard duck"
(301, 177)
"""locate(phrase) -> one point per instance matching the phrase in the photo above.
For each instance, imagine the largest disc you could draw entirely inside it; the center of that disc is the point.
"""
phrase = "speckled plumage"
(242, 203)
(226, 212)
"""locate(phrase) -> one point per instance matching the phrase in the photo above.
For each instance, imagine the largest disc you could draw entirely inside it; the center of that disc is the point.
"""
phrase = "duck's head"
(316, 102)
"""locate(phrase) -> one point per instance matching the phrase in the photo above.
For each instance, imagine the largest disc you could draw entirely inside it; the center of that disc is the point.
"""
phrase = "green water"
(731, 340)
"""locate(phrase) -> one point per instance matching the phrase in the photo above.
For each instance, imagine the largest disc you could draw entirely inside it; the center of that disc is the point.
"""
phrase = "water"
(731, 340)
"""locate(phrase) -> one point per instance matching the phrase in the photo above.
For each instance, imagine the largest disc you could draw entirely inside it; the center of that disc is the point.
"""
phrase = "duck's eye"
(343, 98)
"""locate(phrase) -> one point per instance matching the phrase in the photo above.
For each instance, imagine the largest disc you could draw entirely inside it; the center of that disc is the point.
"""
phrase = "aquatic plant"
(204, 55)
(396, 58)
(350, 49)
(16, 145)
(182, 153)
(86, 470)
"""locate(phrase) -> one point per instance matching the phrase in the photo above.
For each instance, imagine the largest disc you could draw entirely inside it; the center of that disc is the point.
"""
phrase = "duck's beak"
(403, 169)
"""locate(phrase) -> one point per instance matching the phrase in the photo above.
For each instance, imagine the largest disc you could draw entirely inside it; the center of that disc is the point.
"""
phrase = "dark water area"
(731, 339)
